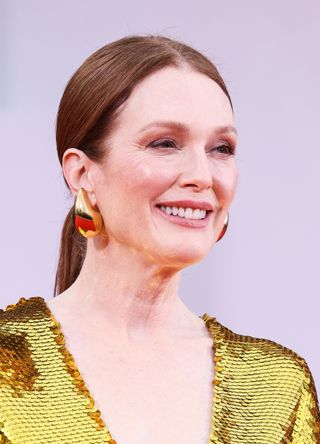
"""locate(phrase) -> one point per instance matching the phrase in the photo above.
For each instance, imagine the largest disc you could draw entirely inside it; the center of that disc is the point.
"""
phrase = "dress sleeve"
(306, 428)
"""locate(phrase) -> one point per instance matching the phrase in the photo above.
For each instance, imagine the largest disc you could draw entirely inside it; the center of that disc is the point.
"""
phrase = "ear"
(76, 166)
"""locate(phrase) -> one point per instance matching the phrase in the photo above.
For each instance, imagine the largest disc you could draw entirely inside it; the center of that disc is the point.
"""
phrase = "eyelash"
(231, 149)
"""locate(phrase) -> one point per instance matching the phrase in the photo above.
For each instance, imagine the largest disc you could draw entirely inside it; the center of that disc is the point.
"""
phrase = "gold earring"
(224, 229)
(86, 220)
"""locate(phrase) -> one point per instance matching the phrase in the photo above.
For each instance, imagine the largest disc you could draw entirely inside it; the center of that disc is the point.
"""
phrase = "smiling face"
(155, 163)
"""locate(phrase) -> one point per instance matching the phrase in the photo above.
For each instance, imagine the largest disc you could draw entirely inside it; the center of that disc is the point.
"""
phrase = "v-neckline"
(211, 324)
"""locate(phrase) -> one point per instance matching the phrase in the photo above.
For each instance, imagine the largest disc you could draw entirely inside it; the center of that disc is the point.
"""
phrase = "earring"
(86, 220)
(224, 229)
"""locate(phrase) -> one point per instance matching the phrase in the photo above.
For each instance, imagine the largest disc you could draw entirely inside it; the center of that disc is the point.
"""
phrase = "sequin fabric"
(264, 393)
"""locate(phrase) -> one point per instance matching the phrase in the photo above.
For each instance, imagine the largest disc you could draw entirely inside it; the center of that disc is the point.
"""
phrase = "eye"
(225, 148)
(167, 143)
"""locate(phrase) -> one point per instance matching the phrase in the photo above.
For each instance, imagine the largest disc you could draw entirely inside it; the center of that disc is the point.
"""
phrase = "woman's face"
(191, 158)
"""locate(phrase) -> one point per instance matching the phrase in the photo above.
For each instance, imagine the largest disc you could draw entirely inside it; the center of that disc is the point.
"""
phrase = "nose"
(197, 172)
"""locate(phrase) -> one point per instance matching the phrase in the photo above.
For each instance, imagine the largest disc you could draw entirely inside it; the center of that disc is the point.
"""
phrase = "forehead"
(177, 94)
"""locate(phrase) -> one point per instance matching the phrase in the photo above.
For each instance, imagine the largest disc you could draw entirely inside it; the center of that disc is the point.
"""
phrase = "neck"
(123, 290)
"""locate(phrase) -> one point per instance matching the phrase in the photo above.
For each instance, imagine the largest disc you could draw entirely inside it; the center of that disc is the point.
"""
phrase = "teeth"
(175, 210)
(182, 212)
(187, 213)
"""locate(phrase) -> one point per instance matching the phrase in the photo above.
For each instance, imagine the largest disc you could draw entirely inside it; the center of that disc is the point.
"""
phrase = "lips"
(191, 223)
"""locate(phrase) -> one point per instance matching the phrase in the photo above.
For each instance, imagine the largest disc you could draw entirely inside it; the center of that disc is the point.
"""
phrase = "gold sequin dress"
(264, 392)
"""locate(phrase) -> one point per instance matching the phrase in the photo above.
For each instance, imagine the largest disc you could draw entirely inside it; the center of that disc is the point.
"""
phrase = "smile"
(187, 213)
(187, 217)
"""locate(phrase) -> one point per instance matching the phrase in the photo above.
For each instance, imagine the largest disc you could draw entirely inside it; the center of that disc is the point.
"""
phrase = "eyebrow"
(185, 129)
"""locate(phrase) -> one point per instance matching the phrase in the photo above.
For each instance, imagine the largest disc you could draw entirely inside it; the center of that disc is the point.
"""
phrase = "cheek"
(147, 178)
(225, 184)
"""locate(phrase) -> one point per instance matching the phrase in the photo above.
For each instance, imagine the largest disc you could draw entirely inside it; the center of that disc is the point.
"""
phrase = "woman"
(146, 139)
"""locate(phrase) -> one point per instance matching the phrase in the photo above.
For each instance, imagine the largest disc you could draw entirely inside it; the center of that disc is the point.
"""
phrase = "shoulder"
(268, 379)
(21, 325)
(22, 313)
(23, 340)
(262, 357)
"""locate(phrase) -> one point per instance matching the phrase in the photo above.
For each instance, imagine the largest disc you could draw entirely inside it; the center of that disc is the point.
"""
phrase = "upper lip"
(203, 205)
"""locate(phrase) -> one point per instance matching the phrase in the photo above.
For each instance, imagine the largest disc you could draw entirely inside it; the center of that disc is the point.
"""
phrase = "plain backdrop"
(263, 278)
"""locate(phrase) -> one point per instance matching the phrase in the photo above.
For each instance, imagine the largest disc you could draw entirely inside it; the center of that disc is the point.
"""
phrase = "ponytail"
(72, 252)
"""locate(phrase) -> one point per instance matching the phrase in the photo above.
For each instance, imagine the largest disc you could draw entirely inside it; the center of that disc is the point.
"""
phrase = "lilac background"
(262, 279)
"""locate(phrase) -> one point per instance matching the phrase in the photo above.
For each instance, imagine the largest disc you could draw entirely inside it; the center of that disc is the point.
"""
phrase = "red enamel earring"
(86, 220)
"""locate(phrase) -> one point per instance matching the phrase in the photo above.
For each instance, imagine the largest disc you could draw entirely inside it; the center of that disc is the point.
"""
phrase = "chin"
(182, 257)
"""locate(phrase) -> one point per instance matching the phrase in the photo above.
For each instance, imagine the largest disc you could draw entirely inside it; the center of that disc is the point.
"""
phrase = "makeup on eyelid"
(157, 141)
(172, 143)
